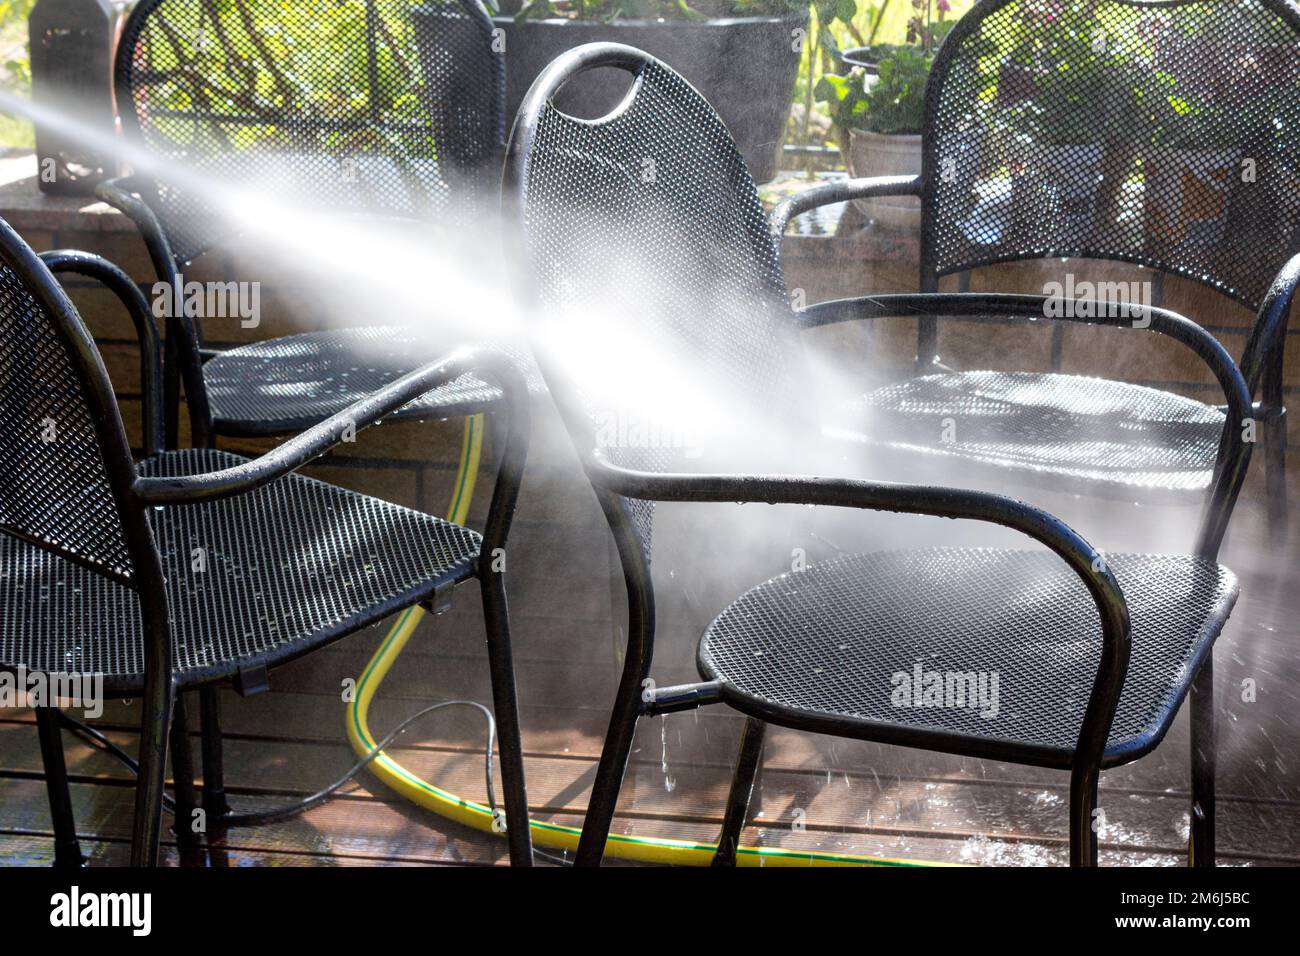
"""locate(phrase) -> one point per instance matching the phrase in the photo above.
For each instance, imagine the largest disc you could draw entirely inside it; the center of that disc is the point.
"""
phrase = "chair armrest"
(977, 305)
(321, 438)
(183, 361)
(1045, 528)
(121, 195)
(1261, 360)
(1234, 451)
(839, 191)
(146, 329)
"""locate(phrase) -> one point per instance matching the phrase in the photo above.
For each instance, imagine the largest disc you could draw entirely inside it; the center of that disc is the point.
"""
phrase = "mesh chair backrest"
(54, 486)
(664, 307)
(1163, 133)
(375, 107)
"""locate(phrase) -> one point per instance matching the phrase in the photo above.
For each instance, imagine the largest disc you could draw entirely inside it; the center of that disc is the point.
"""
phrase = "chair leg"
(505, 706)
(1275, 473)
(67, 851)
(1200, 848)
(609, 774)
(183, 819)
(742, 789)
(157, 701)
(215, 804)
(171, 393)
(1083, 822)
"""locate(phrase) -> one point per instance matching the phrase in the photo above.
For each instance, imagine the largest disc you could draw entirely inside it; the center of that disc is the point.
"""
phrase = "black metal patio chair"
(1163, 134)
(642, 237)
(391, 111)
(99, 551)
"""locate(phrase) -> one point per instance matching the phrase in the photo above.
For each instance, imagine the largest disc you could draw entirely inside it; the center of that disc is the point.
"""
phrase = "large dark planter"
(746, 67)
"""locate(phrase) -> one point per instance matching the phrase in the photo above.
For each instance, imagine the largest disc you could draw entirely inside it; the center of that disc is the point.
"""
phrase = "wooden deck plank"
(37, 849)
(410, 836)
(706, 737)
(841, 801)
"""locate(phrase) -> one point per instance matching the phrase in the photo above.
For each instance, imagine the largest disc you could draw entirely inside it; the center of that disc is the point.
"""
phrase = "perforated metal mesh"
(288, 566)
(53, 483)
(830, 640)
(1161, 133)
(379, 107)
(1052, 427)
(291, 383)
(663, 290)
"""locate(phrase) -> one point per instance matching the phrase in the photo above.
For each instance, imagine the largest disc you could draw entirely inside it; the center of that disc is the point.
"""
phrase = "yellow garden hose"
(549, 835)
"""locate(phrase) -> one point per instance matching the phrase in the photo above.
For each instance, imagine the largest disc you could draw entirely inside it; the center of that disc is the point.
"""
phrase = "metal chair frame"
(617, 486)
(1262, 358)
(185, 354)
(134, 495)
(184, 349)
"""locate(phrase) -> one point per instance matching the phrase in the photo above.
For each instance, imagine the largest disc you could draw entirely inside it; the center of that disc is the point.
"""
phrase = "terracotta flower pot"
(877, 154)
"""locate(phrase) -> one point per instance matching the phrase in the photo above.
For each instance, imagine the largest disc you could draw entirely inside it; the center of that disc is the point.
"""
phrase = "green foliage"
(1075, 86)
(1181, 122)
(15, 71)
(210, 72)
(845, 95)
(15, 10)
(896, 103)
(892, 101)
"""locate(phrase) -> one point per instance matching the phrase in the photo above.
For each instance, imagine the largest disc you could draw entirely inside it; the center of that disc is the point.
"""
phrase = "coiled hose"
(548, 835)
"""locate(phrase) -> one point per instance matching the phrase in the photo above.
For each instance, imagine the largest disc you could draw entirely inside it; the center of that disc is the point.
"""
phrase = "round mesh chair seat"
(254, 579)
(1115, 437)
(291, 383)
(838, 644)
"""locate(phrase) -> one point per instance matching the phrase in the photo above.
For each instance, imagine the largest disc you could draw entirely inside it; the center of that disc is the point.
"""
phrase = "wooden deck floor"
(855, 797)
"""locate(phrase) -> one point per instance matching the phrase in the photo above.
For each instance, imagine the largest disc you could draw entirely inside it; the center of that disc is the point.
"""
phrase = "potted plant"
(869, 54)
(868, 57)
(1065, 116)
(742, 55)
(880, 115)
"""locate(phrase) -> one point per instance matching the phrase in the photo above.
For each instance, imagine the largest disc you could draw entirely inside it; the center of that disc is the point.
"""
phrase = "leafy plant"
(12, 11)
(892, 100)
(1177, 119)
(16, 71)
(846, 96)
(1186, 125)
